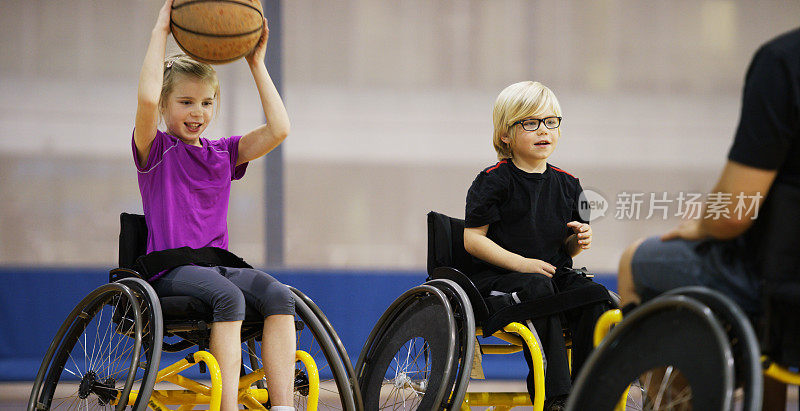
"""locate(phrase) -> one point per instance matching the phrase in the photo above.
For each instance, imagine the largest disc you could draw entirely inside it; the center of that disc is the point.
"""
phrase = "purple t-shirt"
(185, 191)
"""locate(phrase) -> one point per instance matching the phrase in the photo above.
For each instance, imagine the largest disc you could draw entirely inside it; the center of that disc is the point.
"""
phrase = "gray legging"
(227, 290)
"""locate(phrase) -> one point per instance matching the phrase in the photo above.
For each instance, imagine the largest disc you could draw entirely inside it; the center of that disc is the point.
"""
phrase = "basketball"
(216, 31)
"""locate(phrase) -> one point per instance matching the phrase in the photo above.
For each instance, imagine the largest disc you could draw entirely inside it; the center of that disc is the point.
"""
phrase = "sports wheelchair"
(687, 349)
(691, 348)
(419, 354)
(106, 354)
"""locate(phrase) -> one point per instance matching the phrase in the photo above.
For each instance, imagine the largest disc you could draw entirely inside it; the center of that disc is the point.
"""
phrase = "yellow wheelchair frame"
(196, 393)
(515, 334)
(385, 337)
(121, 357)
(121, 366)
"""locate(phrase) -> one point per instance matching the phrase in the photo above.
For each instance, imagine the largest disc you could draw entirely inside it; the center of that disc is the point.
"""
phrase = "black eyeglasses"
(532, 124)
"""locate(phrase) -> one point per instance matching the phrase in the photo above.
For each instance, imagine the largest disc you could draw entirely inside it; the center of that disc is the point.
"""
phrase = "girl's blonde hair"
(516, 102)
(180, 65)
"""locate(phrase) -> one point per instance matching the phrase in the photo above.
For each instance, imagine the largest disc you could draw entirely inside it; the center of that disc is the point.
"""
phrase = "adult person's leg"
(625, 287)
(651, 267)
(228, 304)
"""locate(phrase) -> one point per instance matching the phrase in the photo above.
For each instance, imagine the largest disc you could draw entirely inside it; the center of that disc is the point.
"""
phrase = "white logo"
(591, 205)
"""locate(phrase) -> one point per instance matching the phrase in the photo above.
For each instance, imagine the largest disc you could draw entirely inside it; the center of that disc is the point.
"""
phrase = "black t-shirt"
(769, 125)
(768, 137)
(527, 213)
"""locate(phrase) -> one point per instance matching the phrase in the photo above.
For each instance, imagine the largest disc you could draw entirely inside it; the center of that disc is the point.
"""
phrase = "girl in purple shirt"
(185, 183)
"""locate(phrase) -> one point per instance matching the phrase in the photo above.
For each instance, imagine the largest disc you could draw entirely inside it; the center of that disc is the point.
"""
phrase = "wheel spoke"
(96, 340)
(107, 349)
(77, 368)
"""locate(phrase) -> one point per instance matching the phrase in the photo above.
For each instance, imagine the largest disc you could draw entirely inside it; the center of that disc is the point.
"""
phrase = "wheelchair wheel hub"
(301, 383)
(403, 381)
(104, 390)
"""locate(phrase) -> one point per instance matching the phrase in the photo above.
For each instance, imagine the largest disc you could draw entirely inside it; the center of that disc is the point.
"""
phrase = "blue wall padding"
(34, 302)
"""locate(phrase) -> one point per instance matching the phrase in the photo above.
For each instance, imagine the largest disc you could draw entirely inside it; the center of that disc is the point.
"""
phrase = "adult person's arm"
(736, 180)
(768, 126)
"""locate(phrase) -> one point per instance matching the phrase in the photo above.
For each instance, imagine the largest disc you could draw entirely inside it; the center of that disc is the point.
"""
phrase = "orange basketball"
(217, 31)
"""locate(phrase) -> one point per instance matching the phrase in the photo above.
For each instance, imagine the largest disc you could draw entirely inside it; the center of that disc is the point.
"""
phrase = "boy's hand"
(532, 265)
(583, 232)
(260, 50)
(163, 20)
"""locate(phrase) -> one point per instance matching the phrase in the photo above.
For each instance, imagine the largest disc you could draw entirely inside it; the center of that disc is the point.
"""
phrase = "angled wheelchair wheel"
(672, 351)
(305, 342)
(465, 332)
(409, 357)
(742, 337)
(99, 354)
(152, 338)
(316, 337)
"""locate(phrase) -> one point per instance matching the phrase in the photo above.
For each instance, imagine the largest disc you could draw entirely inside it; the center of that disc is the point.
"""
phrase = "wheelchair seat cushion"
(186, 308)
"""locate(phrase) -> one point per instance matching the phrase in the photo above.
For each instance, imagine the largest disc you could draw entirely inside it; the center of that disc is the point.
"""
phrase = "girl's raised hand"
(163, 20)
(260, 50)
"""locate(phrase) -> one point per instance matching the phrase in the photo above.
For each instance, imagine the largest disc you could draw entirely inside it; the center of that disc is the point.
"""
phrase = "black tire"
(336, 392)
(414, 344)
(672, 334)
(465, 331)
(92, 359)
(337, 342)
(152, 338)
(742, 338)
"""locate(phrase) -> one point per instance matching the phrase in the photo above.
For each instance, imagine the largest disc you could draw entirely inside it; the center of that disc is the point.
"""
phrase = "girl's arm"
(479, 245)
(150, 79)
(268, 136)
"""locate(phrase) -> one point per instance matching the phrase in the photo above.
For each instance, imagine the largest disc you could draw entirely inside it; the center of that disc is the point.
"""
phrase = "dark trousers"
(579, 321)
(228, 290)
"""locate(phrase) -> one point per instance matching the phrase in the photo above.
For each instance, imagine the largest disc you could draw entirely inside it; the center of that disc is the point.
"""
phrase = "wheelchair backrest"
(446, 244)
(778, 259)
(132, 239)
(447, 258)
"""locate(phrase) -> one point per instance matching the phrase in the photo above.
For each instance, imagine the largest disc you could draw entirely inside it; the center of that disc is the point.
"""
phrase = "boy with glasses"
(523, 227)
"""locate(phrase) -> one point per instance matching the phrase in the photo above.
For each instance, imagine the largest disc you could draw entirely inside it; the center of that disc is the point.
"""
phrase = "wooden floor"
(14, 396)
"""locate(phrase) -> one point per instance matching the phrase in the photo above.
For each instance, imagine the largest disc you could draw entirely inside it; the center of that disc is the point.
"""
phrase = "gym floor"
(14, 396)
